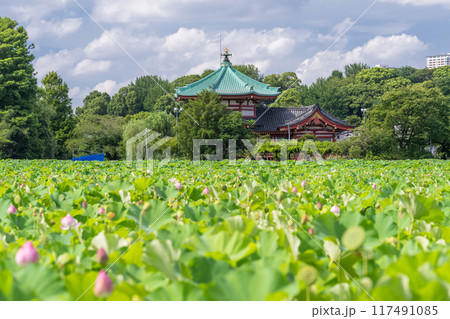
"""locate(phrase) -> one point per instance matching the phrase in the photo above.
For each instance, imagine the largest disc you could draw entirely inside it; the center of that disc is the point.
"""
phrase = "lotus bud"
(101, 211)
(311, 231)
(374, 186)
(27, 254)
(68, 222)
(102, 256)
(304, 218)
(178, 185)
(294, 190)
(206, 191)
(319, 205)
(303, 184)
(84, 205)
(335, 210)
(12, 210)
(103, 285)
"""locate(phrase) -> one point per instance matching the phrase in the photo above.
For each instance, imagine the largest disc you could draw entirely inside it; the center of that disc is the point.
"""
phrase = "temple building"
(251, 98)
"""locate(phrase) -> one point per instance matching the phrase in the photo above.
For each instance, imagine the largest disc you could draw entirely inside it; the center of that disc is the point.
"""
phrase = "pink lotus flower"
(12, 209)
(319, 205)
(103, 285)
(84, 205)
(335, 210)
(428, 175)
(101, 211)
(311, 231)
(303, 184)
(69, 222)
(206, 191)
(102, 256)
(27, 254)
(374, 186)
(178, 185)
(440, 175)
(294, 190)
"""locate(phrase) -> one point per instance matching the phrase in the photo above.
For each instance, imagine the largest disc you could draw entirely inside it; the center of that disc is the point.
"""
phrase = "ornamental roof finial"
(226, 54)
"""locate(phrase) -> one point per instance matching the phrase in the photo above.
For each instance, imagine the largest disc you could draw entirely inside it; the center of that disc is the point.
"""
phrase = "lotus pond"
(344, 230)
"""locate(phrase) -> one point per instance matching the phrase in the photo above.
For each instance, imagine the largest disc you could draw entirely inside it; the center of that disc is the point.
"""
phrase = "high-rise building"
(435, 61)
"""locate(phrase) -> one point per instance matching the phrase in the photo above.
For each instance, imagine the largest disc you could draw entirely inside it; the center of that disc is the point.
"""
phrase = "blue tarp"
(95, 157)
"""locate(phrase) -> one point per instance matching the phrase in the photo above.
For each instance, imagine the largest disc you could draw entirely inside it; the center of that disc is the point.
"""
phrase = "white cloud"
(36, 9)
(420, 2)
(396, 50)
(108, 86)
(59, 29)
(132, 10)
(58, 62)
(91, 66)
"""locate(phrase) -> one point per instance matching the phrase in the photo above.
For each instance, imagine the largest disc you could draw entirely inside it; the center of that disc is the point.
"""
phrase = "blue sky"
(172, 38)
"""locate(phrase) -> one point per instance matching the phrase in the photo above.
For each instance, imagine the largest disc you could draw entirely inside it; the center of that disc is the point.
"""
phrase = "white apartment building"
(435, 61)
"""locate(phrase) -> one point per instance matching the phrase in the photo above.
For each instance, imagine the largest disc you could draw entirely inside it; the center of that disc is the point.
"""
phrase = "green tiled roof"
(228, 81)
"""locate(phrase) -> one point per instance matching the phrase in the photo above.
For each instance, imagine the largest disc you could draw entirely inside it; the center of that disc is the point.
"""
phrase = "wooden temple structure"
(251, 98)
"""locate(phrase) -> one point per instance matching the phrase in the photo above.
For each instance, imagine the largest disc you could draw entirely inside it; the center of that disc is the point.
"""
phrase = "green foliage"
(21, 128)
(160, 122)
(94, 103)
(288, 98)
(284, 81)
(166, 103)
(250, 70)
(246, 240)
(54, 95)
(100, 134)
(185, 80)
(124, 102)
(401, 115)
(441, 78)
(148, 89)
(353, 69)
(200, 119)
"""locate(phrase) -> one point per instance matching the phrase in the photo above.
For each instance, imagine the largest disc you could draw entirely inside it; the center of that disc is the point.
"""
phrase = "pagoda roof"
(227, 81)
(271, 119)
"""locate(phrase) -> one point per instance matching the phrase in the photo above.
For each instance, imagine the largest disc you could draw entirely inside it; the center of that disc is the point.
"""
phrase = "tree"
(287, 80)
(206, 73)
(441, 78)
(94, 103)
(20, 123)
(287, 98)
(250, 70)
(54, 94)
(206, 118)
(124, 102)
(414, 116)
(148, 89)
(99, 133)
(369, 85)
(330, 95)
(354, 68)
(165, 103)
(159, 122)
(414, 75)
(233, 127)
(185, 80)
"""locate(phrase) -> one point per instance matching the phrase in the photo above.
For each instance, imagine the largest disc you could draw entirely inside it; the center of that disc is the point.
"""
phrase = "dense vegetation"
(408, 109)
(344, 230)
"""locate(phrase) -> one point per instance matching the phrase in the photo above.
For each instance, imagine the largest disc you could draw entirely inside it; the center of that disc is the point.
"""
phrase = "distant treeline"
(408, 108)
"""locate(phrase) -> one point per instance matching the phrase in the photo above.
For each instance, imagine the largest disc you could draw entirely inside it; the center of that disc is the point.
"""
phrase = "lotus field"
(344, 230)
